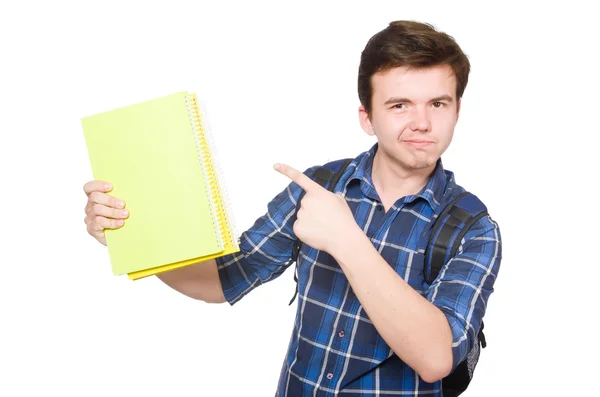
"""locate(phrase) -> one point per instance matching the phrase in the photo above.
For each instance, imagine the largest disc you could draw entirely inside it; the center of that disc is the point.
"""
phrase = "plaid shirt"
(335, 348)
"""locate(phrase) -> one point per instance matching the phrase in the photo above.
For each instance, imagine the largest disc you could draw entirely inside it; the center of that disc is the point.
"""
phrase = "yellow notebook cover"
(153, 154)
(224, 214)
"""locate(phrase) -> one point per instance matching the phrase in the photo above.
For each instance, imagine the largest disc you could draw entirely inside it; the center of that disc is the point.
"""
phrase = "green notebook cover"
(150, 153)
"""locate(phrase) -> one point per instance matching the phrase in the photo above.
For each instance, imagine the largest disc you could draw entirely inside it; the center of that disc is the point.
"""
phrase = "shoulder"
(467, 204)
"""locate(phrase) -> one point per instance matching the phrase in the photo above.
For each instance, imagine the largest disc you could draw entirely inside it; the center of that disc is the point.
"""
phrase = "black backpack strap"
(450, 227)
(327, 176)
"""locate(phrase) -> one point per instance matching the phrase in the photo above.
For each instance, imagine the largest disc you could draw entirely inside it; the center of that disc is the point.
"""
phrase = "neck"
(393, 181)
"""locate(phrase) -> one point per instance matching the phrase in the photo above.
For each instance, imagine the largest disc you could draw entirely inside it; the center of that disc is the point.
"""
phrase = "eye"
(398, 106)
(439, 104)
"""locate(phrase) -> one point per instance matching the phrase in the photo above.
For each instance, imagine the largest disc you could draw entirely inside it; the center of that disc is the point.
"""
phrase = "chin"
(419, 162)
(411, 159)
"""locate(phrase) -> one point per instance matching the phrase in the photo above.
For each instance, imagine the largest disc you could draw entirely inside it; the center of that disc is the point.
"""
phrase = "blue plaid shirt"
(335, 349)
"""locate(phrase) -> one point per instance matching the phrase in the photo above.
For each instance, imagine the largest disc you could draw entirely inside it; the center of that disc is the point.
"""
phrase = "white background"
(280, 82)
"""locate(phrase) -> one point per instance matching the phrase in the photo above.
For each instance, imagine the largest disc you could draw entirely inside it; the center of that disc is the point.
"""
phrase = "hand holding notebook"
(103, 211)
(165, 169)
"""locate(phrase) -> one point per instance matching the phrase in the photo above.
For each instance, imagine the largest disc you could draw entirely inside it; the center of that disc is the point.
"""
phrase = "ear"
(365, 121)
(458, 103)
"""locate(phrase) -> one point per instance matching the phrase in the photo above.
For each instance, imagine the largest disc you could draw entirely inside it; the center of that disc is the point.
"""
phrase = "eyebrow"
(440, 98)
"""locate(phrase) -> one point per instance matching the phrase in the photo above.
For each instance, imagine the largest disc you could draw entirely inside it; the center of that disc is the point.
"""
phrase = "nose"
(420, 120)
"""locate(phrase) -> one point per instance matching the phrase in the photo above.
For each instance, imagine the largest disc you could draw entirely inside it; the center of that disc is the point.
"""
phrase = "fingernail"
(119, 222)
(124, 213)
(120, 204)
(276, 166)
(108, 186)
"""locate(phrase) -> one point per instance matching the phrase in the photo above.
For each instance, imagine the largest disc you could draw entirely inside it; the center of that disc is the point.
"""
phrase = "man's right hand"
(199, 281)
(102, 210)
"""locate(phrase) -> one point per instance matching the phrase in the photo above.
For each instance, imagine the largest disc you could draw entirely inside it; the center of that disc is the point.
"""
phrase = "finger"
(107, 212)
(101, 238)
(100, 223)
(98, 235)
(302, 180)
(97, 186)
(105, 199)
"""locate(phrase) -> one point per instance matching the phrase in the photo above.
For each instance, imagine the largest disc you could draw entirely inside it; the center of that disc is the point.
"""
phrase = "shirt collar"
(432, 192)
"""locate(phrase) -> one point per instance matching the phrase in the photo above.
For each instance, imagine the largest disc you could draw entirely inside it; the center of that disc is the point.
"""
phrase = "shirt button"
(330, 376)
(379, 207)
(342, 334)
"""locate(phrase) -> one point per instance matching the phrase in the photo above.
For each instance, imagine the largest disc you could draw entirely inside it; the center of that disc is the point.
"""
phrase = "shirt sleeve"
(265, 248)
(465, 283)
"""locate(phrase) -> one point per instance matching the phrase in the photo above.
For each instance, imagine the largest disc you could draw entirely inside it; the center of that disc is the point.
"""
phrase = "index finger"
(97, 186)
(302, 180)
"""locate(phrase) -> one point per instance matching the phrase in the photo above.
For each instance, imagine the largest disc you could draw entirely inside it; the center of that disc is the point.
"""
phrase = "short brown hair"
(412, 44)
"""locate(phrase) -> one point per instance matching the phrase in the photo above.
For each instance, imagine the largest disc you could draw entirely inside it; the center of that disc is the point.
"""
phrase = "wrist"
(348, 242)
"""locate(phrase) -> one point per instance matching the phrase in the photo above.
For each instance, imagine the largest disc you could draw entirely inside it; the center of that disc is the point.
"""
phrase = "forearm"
(415, 329)
(199, 281)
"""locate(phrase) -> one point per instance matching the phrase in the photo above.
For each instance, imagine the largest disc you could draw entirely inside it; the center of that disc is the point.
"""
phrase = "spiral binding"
(222, 191)
(204, 157)
(219, 191)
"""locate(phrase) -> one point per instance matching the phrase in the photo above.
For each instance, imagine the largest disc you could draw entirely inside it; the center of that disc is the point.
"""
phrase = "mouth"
(418, 143)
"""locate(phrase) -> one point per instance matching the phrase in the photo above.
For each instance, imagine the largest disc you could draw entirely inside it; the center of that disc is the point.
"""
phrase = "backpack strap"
(447, 232)
(449, 229)
(327, 176)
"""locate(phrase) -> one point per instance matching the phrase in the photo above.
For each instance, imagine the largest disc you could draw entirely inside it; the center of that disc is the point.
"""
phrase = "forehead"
(414, 83)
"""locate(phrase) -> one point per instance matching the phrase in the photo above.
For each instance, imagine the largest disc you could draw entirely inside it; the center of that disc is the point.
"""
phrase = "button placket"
(340, 335)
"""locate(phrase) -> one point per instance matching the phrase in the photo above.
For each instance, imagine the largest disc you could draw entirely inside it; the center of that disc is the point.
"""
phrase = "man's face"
(413, 114)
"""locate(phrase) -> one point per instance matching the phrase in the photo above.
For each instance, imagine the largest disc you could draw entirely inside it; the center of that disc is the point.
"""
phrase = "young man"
(367, 321)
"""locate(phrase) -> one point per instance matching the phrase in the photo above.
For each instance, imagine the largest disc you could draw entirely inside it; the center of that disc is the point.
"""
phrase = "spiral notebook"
(161, 159)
